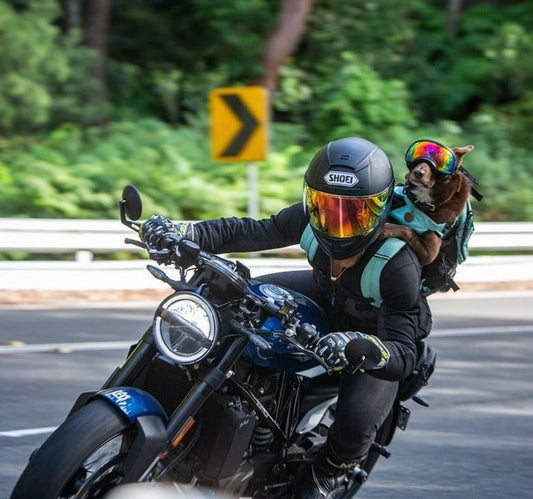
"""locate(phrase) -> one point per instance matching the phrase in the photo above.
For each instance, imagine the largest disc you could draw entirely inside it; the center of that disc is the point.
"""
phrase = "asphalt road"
(476, 439)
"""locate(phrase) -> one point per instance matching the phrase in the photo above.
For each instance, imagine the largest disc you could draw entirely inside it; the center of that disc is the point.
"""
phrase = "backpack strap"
(309, 243)
(465, 223)
(372, 271)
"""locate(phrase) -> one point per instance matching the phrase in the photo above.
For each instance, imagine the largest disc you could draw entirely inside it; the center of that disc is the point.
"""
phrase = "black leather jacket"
(402, 318)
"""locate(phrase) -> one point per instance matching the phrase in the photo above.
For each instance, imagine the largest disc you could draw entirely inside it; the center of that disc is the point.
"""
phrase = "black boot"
(324, 478)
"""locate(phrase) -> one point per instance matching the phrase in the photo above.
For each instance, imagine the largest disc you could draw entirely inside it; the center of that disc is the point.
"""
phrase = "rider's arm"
(224, 235)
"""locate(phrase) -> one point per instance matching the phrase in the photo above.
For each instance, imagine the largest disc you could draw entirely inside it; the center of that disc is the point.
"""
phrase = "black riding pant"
(364, 401)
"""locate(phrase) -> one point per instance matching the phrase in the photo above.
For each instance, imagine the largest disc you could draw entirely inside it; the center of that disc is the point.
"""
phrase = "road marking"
(476, 331)
(66, 347)
(27, 432)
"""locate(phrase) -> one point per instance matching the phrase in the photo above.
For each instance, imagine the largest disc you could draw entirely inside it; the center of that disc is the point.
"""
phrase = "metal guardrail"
(84, 238)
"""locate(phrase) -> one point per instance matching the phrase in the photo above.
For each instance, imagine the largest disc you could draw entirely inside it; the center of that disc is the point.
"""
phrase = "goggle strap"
(477, 195)
(470, 177)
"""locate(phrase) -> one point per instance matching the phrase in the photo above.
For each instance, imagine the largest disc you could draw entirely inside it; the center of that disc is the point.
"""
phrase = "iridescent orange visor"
(344, 217)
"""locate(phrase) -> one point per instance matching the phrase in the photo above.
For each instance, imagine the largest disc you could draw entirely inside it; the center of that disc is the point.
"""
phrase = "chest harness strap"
(372, 271)
(309, 243)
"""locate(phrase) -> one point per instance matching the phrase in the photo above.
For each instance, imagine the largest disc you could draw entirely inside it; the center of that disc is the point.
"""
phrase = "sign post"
(239, 131)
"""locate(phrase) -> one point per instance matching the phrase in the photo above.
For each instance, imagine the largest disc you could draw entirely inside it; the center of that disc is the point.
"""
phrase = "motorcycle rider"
(348, 189)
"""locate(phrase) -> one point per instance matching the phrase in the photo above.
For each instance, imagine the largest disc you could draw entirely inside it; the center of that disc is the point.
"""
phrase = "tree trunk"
(454, 9)
(96, 29)
(283, 40)
(72, 14)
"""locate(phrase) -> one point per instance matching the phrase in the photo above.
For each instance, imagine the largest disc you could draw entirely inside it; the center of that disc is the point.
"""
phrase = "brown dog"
(440, 201)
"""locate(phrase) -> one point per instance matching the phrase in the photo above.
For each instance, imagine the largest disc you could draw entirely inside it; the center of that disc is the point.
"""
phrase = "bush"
(54, 81)
(77, 172)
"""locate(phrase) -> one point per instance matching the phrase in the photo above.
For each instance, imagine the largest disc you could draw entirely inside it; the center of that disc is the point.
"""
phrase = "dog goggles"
(344, 217)
(438, 156)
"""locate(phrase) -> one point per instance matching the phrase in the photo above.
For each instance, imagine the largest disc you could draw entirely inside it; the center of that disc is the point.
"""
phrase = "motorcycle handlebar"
(181, 251)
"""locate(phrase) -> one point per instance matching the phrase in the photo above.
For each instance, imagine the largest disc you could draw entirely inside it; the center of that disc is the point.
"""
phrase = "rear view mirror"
(131, 202)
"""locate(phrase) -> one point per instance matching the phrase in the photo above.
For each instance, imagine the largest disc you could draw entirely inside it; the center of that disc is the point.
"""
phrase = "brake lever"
(289, 336)
(139, 244)
(159, 256)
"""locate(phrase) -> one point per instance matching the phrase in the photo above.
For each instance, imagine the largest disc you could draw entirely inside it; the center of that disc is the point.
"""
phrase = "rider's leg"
(364, 403)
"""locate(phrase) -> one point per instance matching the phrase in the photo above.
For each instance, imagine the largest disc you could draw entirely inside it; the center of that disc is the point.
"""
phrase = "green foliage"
(27, 37)
(390, 71)
(357, 102)
(78, 172)
(182, 50)
(452, 76)
(505, 170)
(45, 78)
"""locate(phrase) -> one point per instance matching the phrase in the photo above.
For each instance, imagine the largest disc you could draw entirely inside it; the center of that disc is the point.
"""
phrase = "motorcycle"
(222, 392)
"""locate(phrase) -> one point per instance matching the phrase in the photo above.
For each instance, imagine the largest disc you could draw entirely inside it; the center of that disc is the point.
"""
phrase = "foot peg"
(359, 475)
(381, 450)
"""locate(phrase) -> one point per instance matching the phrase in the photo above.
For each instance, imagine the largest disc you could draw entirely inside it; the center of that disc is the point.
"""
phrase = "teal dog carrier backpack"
(436, 276)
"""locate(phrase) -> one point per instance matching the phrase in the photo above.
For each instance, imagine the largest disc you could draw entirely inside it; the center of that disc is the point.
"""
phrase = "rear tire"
(83, 458)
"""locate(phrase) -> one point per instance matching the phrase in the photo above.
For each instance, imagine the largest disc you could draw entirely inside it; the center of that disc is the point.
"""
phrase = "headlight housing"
(186, 328)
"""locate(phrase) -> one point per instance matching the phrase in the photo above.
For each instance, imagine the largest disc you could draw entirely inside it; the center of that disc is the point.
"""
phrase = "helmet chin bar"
(341, 250)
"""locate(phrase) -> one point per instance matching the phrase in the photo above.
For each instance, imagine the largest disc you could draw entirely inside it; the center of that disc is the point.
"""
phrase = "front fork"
(153, 436)
(182, 418)
(151, 450)
(137, 360)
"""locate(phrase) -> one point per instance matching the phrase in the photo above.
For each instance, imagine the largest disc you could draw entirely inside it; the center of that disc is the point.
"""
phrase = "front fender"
(133, 402)
(148, 415)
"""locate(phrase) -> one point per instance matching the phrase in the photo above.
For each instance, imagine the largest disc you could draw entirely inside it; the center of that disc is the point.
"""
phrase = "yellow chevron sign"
(239, 124)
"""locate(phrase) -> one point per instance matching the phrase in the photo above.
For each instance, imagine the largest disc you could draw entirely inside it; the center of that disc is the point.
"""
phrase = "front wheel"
(83, 458)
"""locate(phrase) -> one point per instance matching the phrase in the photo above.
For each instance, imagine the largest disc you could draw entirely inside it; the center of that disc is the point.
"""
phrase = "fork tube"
(135, 363)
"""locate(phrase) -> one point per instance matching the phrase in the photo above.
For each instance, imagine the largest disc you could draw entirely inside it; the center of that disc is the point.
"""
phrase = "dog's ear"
(461, 151)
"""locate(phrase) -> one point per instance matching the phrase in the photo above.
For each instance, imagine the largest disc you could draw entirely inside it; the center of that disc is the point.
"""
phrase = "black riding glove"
(155, 230)
(332, 350)
(376, 355)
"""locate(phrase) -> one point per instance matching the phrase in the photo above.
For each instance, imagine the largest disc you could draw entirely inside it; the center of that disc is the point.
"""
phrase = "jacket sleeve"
(225, 235)
(399, 314)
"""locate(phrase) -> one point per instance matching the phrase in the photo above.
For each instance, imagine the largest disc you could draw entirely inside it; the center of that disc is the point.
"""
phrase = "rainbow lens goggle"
(440, 158)
(344, 217)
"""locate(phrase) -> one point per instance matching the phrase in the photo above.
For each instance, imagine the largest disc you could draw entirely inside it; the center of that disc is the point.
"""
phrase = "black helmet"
(348, 190)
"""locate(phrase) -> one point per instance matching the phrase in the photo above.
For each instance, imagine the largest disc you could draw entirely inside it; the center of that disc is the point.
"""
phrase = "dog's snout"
(419, 173)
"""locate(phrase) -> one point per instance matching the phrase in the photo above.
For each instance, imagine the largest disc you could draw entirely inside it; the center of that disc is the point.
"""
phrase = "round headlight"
(185, 328)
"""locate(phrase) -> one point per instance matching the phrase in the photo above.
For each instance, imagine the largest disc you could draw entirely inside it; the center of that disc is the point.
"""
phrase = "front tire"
(83, 458)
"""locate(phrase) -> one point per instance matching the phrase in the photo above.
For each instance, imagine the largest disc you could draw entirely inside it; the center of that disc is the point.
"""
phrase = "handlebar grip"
(355, 350)
(362, 352)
